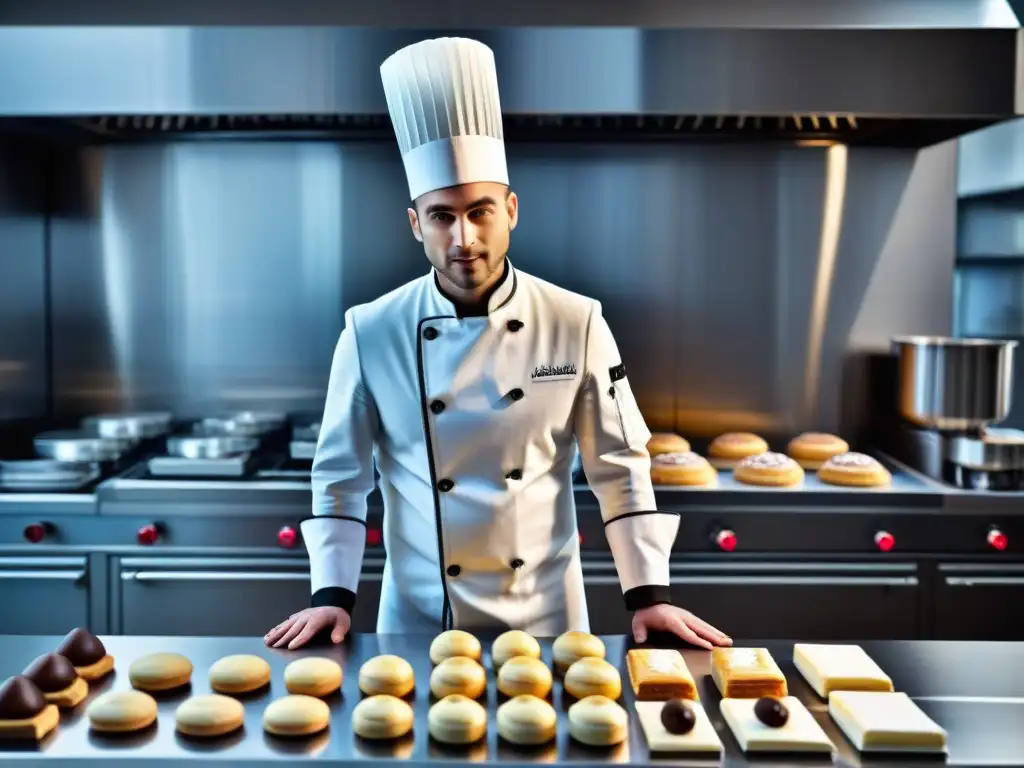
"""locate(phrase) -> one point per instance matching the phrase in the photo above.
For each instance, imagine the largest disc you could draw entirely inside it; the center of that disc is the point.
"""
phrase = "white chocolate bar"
(828, 668)
(885, 722)
(801, 733)
(702, 739)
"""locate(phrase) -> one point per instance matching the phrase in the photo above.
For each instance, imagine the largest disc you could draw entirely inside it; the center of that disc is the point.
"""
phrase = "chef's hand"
(299, 628)
(670, 618)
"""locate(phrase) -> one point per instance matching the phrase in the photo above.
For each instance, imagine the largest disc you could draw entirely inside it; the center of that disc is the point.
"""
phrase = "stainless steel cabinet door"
(43, 595)
(224, 596)
(803, 601)
(979, 601)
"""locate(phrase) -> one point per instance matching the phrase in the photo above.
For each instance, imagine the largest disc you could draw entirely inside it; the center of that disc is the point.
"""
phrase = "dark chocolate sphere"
(771, 712)
(51, 672)
(678, 716)
(20, 699)
(81, 647)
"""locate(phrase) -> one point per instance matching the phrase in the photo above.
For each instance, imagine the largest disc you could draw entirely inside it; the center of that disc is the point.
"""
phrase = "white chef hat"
(443, 99)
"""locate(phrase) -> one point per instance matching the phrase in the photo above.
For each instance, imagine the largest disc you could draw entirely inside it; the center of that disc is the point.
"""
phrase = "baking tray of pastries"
(134, 701)
(811, 464)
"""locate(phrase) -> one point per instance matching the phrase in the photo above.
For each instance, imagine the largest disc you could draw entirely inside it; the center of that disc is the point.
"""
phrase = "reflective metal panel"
(525, 13)
(858, 66)
(24, 389)
(739, 280)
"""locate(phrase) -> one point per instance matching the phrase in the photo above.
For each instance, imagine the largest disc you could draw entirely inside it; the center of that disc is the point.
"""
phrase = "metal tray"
(45, 475)
(974, 703)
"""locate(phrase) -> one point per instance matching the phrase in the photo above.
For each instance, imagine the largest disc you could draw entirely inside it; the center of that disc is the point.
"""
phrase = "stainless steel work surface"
(974, 690)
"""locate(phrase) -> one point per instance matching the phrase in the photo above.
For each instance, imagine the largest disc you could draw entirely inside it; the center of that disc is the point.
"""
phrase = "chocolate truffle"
(20, 699)
(51, 673)
(81, 647)
(771, 712)
(678, 717)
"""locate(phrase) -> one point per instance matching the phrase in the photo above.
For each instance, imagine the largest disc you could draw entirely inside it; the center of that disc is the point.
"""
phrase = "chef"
(470, 390)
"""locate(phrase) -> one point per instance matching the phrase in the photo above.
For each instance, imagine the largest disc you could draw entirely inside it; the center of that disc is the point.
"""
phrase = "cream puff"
(457, 720)
(458, 675)
(769, 469)
(683, 469)
(727, 450)
(571, 646)
(667, 442)
(513, 643)
(593, 677)
(386, 675)
(524, 675)
(812, 449)
(854, 469)
(527, 720)
(598, 721)
(455, 642)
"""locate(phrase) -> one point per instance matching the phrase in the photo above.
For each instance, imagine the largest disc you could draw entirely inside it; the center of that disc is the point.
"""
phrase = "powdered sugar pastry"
(767, 460)
(852, 460)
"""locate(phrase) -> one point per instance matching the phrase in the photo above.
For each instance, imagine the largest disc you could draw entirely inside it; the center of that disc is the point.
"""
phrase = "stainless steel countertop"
(974, 690)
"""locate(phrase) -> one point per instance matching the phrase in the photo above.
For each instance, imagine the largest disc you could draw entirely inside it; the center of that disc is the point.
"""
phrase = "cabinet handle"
(776, 581)
(224, 576)
(59, 575)
(984, 581)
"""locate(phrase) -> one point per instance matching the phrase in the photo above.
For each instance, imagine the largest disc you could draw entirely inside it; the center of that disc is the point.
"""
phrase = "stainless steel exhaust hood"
(894, 72)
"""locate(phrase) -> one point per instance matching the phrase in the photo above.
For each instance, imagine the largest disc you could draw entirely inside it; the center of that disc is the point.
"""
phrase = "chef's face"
(465, 232)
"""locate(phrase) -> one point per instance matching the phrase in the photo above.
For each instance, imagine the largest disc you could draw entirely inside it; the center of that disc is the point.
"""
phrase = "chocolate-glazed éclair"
(20, 699)
(51, 673)
(82, 648)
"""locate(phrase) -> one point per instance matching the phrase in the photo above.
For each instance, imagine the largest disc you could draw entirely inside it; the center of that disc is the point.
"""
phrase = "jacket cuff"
(337, 597)
(646, 596)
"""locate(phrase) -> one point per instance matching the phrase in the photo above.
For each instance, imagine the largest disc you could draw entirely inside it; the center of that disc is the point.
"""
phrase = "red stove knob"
(148, 534)
(35, 532)
(726, 540)
(373, 537)
(885, 541)
(286, 537)
(997, 539)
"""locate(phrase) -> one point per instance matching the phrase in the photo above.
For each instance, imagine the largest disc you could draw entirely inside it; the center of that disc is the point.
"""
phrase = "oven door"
(776, 599)
(223, 596)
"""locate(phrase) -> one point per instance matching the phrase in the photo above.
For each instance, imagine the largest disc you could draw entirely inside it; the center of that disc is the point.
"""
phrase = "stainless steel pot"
(244, 423)
(78, 446)
(954, 385)
(135, 426)
(222, 447)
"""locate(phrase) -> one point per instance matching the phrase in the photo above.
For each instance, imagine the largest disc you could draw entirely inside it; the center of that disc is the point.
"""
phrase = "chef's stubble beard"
(467, 282)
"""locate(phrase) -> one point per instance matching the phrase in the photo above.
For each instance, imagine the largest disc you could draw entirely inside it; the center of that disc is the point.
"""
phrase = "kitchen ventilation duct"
(889, 72)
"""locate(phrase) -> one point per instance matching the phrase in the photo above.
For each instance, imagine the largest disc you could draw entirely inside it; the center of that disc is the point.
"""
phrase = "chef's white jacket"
(473, 424)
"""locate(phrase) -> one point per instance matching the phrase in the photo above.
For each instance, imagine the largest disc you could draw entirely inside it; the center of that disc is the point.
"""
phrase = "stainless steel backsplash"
(24, 356)
(743, 282)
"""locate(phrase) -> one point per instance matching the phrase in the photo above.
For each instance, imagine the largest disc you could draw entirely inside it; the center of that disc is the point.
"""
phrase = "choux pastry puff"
(458, 675)
(572, 646)
(457, 719)
(597, 721)
(386, 675)
(593, 677)
(524, 675)
(382, 717)
(526, 720)
(313, 676)
(452, 643)
(513, 643)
